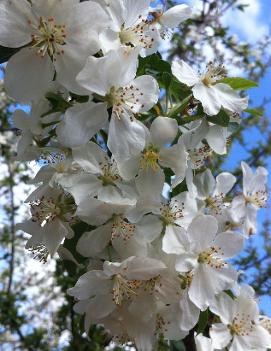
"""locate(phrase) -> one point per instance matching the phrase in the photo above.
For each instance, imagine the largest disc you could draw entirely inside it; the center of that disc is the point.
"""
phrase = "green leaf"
(255, 112)
(222, 119)
(203, 320)
(58, 103)
(179, 108)
(239, 83)
(6, 53)
(166, 79)
(154, 65)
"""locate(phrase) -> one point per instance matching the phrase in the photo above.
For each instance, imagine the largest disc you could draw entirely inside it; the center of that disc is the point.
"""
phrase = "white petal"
(205, 183)
(92, 243)
(174, 240)
(89, 284)
(90, 157)
(186, 262)
(207, 96)
(224, 183)
(149, 89)
(175, 158)
(190, 210)
(208, 281)
(224, 307)
(217, 139)
(128, 169)
(190, 313)
(28, 76)
(54, 7)
(220, 335)
(80, 186)
(175, 15)
(110, 40)
(148, 229)
(143, 268)
(59, 230)
(150, 182)
(163, 131)
(94, 212)
(184, 73)
(81, 123)
(15, 29)
(202, 231)
(134, 9)
(116, 69)
(126, 138)
(203, 343)
(229, 99)
(230, 243)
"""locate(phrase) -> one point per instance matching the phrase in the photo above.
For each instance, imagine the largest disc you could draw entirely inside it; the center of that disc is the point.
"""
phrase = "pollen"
(48, 37)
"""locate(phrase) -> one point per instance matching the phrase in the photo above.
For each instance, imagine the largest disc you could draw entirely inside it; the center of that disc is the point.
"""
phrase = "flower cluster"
(127, 141)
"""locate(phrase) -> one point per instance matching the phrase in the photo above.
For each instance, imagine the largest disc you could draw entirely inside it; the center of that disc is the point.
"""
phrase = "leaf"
(166, 79)
(239, 83)
(154, 65)
(6, 53)
(58, 103)
(203, 320)
(222, 119)
(255, 112)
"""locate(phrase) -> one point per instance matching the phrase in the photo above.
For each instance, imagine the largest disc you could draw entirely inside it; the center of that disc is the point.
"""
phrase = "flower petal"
(28, 76)
(81, 123)
(184, 73)
(15, 28)
(175, 15)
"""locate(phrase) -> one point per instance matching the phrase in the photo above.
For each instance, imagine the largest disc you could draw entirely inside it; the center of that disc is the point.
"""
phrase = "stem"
(12, 229)
(179, 107)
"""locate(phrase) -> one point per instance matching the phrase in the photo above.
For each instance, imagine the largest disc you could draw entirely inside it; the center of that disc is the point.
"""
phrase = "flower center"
(124, 289)
(44, 210)
(121, 228)
(210, 257)
(216, 203)
(171, 212)
(150, 159)
(213, 74)
(137, 35)
(110, 173)
(242, 325)
(124, 99)
(48, 37)
(199, 155)
(258, 198)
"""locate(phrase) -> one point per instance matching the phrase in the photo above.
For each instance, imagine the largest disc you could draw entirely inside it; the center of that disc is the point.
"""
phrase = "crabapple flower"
(101, 292)
(126, 238)
(207, 89)
(58, 38)
(129, 27)
(112, 79)
(212, 191)
(49, 223)
(97, 175)
(158, 151)
(240, 328)
(204, 258)
(244, 207)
